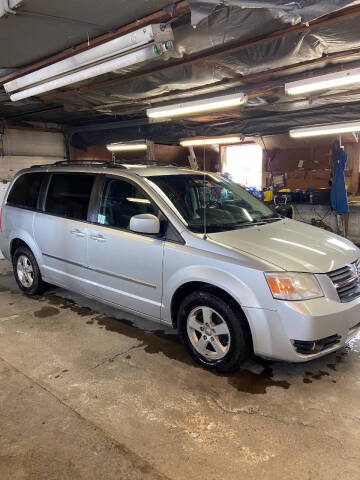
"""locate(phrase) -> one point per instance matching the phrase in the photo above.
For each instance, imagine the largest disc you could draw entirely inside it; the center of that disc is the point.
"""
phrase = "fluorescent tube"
(214, 103)
(124, 61)
(195, 142)
(118, 147)
(323, 82)
(332, 129)
(96, 54)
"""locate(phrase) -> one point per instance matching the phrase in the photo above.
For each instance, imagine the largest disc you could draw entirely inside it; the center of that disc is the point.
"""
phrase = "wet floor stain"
(6, 274)
(46, 312)
(320, 374)
(156, 341)
(310, 376)
(256, 383)
(67, 304)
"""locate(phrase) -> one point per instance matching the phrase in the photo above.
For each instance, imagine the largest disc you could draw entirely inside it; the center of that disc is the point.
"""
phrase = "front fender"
(231, 284)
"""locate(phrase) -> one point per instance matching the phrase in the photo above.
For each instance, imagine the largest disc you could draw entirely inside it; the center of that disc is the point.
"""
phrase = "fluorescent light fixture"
(119, 147)
(110, 56)
(188, 108)
(139, 56)
(323, 82)
(99, 53)
(195, 142)
(332, 129)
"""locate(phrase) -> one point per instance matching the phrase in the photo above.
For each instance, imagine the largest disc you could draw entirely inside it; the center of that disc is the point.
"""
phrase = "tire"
(26, 272)
(225, 343)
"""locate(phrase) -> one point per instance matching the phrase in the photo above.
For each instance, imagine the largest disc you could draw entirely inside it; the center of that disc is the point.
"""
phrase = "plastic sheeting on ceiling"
(225, 26)
(167, 133)
(288, 12)
(236, 21)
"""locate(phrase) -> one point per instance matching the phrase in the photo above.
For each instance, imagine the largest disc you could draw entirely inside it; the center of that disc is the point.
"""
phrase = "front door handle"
(97, 238)
(77, 232)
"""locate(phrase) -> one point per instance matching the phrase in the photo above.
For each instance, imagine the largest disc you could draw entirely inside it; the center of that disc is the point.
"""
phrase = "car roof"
(129, 169)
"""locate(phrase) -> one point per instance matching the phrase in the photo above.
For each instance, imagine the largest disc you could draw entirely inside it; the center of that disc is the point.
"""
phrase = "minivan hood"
(291, 245)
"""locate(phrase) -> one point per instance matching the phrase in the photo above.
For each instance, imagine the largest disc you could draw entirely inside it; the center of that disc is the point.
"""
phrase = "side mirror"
(145, 223)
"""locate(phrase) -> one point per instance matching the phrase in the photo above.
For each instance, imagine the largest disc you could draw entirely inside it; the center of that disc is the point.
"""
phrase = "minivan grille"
(346, 281)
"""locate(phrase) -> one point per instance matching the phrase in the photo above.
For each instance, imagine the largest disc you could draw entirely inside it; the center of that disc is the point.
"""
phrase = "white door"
(125, 267)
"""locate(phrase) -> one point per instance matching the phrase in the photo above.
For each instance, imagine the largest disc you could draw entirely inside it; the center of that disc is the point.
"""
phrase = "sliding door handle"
(77, 232)
(98, 238)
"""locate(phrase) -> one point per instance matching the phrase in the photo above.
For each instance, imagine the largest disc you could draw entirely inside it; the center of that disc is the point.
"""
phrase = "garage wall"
(22, 148)
(306, 163)
(164, 155)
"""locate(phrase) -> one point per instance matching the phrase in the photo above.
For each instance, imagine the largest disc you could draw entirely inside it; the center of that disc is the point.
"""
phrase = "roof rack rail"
(91, 163)
(122, 164)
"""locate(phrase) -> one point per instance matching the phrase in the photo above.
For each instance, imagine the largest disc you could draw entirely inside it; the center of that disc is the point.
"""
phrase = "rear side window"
(69, 195)
(25, 191)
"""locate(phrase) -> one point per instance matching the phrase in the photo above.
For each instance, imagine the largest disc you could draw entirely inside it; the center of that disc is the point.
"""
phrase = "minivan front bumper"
(302, 331)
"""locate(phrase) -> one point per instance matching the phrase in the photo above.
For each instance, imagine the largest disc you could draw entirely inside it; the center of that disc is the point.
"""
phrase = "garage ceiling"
(41, 28)
(248, 46)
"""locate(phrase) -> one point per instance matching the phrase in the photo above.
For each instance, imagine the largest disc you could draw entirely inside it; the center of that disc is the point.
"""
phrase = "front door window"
(120, 201)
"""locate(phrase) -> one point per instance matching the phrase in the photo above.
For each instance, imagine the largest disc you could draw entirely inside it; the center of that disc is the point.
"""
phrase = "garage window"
(244, 164)
(25, 191)
(69, 195)
(120, 201)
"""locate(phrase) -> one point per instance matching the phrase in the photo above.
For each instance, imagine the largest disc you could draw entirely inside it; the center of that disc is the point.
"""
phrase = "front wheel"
(26, 272)
(215, 334)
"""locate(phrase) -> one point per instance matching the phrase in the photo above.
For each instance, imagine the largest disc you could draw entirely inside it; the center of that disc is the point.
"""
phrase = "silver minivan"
(189, 249)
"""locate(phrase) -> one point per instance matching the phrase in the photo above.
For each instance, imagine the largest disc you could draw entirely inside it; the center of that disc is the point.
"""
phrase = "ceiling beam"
(180, 8)
(350, 12)
(239, 80)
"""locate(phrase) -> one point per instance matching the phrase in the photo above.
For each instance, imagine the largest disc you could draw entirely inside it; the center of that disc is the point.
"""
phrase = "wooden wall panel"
(310, 165)
(164, 155)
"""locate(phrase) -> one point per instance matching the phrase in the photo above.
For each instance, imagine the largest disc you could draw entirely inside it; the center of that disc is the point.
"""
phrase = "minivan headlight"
(293, 285)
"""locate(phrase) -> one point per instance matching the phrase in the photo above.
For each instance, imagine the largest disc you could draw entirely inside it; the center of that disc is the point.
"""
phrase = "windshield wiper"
(230, 226)
(267, 219)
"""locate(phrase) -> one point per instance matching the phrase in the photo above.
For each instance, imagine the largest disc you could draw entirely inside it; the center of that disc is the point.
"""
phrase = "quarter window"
(69, 195)
(25, 191)
(120, 201)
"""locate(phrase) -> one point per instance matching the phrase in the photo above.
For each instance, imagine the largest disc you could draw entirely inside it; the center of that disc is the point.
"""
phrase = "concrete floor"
(88, 392)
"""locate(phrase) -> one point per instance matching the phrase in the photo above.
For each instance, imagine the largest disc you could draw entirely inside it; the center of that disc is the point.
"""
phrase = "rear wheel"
(26, 272)
(215, 334)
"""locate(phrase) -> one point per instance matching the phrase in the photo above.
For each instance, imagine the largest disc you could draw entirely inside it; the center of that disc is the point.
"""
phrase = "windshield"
(212, 200)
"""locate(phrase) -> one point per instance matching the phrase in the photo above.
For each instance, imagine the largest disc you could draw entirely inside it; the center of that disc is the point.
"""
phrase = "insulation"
(287, 12)
(219, 24)
(264, 123)
(225, 26)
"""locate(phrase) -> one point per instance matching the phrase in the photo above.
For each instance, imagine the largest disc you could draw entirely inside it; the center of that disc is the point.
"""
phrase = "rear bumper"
(274, 331)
